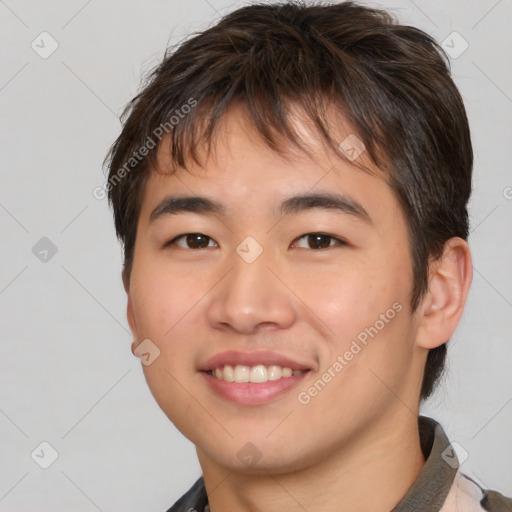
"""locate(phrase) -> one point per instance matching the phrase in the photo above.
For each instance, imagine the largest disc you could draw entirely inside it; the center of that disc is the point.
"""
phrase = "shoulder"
(441, 486)
(194, 500)
(465, 494)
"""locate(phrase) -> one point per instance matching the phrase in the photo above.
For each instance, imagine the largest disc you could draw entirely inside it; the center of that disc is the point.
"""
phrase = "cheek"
(166, 305)
(163, 308)
(365, 306)
(161, 299)
(348, 298)
(363, 368)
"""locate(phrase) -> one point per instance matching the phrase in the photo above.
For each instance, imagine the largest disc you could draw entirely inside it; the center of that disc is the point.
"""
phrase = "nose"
(251, 297)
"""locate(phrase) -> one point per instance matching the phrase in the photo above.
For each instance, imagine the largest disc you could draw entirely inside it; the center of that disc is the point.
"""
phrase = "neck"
(370, 475)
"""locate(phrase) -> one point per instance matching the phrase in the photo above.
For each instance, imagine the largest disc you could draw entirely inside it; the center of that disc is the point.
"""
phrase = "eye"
(191, 241)
(319, 241)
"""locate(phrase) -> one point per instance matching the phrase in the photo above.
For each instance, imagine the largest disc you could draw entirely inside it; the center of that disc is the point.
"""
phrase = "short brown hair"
(391, 82)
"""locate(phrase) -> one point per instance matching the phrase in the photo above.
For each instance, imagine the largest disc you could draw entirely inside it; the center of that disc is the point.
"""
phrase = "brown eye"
(191, 241)
(319, 241)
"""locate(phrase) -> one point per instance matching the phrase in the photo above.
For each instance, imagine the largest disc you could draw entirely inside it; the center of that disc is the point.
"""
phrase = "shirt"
(440, 486)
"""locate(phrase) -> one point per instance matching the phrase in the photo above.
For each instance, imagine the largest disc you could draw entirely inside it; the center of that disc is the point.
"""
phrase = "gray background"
(67, 374)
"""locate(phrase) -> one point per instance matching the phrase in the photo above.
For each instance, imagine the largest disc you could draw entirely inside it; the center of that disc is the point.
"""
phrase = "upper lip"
(266, 358)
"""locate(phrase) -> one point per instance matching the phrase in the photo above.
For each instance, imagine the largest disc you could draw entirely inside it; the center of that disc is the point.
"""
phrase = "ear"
(449, 280)
(129, 309)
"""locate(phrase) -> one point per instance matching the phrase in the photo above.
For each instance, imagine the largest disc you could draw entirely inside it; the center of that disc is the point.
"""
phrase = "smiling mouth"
(258, 374)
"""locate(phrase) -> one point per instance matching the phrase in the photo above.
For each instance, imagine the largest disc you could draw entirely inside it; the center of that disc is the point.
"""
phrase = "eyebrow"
(325, 201)
(174, 205)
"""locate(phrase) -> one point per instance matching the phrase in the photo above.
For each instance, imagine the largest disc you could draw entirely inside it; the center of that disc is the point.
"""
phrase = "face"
(266, 284)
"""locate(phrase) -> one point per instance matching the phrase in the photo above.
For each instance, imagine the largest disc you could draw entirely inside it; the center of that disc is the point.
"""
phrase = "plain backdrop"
(68, 377)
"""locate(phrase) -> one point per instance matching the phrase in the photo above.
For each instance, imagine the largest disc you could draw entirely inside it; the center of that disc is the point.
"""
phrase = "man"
(291, 191)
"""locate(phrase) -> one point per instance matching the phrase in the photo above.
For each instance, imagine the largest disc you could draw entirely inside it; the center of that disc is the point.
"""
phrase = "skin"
(360, 432)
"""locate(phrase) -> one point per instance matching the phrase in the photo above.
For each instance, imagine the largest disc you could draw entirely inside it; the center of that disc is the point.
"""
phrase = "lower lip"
(250, 393)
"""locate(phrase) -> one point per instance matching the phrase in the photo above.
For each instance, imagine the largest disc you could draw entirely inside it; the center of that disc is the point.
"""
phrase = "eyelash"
(340, 241)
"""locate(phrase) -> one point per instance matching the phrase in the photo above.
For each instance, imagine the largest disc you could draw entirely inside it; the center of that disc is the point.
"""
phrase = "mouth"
(252, 378)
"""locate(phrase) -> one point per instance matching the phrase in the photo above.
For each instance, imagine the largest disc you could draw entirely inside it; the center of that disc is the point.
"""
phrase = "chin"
(253, 458)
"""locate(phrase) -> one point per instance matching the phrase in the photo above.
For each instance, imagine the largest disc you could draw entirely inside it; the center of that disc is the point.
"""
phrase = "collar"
(431, 487)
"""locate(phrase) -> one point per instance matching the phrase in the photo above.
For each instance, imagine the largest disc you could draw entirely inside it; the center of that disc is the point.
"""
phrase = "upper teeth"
(258, 373)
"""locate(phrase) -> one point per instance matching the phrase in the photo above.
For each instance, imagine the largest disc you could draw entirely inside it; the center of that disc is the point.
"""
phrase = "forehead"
(300, 136)
(240, 159)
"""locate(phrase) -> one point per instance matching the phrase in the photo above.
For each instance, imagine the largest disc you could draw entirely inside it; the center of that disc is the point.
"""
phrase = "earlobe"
(126, 279)
(449, 282)
(129, 310)
(131, 317)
